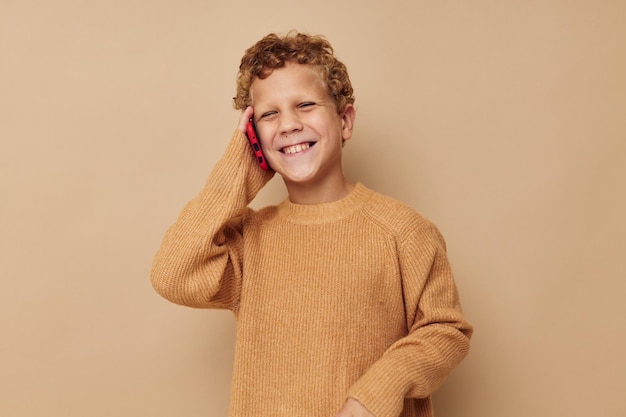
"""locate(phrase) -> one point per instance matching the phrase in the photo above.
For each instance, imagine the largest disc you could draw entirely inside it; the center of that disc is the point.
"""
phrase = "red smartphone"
(256, 145)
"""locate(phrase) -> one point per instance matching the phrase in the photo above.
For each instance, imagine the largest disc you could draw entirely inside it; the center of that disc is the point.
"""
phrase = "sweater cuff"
(383, 387)
(238, 169)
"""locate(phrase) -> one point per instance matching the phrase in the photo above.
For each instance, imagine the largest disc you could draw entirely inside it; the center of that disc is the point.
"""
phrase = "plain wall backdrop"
(501, 121)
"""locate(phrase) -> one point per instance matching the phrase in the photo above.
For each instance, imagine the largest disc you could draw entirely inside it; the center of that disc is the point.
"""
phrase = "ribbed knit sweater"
(353, 298)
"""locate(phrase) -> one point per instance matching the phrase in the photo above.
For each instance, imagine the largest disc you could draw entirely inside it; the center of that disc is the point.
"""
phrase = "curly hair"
(273, 51)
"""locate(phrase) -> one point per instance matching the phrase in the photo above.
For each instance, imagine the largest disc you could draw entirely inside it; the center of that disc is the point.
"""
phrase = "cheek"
(265, 133)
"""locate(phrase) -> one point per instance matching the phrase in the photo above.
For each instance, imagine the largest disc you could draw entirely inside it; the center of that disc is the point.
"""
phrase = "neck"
(325, 191)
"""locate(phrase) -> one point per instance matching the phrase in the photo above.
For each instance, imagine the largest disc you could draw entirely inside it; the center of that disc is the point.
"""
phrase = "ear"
(347, 121)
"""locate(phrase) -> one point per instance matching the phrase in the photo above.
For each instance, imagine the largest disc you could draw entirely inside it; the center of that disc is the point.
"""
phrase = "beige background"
(502, 121)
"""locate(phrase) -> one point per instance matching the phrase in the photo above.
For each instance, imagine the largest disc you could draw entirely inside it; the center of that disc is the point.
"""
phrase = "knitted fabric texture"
(353, 298)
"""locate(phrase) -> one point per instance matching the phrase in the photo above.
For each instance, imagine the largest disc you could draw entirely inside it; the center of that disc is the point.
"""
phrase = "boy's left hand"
(353, 408)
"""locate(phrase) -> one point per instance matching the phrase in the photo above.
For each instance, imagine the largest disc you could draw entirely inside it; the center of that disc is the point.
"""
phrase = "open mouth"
(290, 150)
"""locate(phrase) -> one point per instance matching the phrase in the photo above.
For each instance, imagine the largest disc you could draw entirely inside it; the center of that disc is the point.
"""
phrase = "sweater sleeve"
(438, 335)
(199, 261)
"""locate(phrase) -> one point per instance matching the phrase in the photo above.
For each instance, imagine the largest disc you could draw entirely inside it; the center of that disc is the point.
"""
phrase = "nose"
(290, 122)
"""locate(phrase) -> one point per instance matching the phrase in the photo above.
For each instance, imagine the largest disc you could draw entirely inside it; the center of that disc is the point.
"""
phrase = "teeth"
(296, 148)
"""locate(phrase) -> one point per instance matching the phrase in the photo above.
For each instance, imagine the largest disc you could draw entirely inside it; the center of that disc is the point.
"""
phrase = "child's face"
(297, 122)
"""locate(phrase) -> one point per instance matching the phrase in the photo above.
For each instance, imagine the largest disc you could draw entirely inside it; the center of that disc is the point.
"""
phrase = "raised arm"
(199, 261)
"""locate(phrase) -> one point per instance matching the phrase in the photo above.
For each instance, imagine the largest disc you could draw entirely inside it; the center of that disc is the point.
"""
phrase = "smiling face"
(301, 131)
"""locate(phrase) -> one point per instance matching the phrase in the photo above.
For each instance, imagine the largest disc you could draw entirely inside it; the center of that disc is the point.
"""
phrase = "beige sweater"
(350, 298)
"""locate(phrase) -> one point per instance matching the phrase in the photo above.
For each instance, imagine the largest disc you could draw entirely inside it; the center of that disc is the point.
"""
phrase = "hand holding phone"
(256, 145)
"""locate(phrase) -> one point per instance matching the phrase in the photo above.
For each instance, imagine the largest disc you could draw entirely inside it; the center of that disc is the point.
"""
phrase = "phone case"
(256, 145)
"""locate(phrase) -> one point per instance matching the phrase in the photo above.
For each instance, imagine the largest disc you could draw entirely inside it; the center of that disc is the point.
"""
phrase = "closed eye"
(267, 115)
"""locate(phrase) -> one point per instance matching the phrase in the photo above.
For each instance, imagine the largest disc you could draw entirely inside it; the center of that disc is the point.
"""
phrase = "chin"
(298, 175)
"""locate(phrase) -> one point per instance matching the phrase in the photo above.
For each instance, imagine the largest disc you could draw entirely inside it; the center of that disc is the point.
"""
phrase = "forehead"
(291, 81)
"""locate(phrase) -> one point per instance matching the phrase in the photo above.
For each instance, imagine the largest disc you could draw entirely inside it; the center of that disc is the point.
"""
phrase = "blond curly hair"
(273, 51)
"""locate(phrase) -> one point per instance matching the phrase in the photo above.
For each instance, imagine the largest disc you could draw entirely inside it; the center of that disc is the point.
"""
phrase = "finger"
(246, 114)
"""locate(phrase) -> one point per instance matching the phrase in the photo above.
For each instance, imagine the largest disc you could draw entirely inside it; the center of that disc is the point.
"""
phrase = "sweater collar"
(325, 212)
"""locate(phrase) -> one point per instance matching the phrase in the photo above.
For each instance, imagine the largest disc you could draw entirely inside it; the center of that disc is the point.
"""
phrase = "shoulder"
(396, 217)
(257, 217)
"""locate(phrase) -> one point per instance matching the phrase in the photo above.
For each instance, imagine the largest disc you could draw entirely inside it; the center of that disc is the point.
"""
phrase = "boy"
(344, 298)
